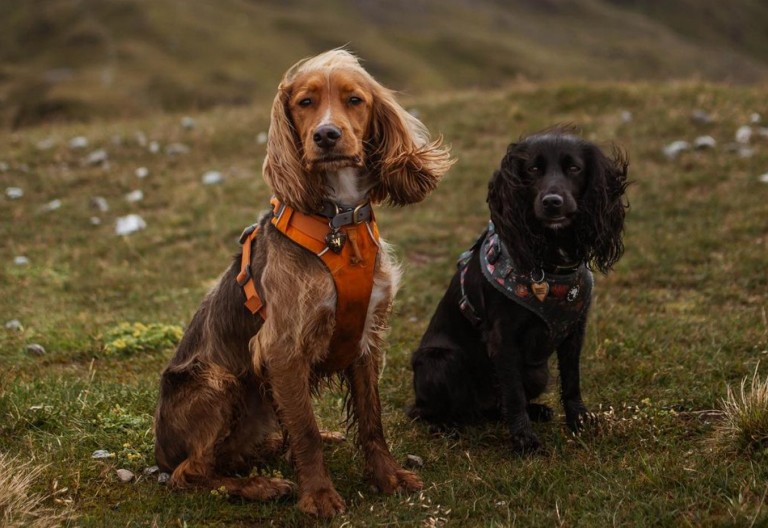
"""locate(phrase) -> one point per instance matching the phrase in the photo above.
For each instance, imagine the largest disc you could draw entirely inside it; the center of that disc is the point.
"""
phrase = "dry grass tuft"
(19, 506)
(745, 415)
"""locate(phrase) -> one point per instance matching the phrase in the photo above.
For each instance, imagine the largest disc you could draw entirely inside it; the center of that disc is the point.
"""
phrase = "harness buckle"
(356, 213)
(244, 276)
(247, 232)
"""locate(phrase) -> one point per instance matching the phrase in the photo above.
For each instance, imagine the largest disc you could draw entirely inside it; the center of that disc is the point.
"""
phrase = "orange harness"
(351, 268)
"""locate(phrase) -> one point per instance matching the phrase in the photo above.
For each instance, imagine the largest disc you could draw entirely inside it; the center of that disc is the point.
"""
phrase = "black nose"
(552, 201)
(325, 136)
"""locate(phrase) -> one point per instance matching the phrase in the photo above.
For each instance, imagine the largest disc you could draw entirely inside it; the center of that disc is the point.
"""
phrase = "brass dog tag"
(540, 290)
(335, 241)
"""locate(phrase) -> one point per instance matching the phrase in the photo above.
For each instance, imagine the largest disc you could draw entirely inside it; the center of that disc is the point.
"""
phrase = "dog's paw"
(262, 488)
(324, 502)
(577, 417)
(398, 480)
(538, 412)
(525, 442)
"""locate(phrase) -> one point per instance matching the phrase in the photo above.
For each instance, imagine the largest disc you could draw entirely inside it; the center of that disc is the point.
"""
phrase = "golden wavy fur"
(236, 381)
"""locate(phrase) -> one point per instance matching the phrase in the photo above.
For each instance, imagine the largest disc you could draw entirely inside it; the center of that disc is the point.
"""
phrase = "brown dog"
(338, 141)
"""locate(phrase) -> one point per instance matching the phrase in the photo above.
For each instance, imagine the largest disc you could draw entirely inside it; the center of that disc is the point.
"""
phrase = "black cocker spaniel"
(523, 290)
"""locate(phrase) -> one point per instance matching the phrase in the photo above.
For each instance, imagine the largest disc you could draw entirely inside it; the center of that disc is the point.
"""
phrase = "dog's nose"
(325, 136)
(552, 201)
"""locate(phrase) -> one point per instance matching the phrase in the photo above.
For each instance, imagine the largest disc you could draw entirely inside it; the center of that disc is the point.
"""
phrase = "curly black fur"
(556, 200)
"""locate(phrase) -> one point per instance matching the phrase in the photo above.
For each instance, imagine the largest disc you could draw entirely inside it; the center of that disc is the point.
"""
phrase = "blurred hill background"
(85, 59)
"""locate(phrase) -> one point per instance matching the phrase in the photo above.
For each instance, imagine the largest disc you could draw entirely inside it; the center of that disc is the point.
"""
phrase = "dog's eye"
(574, 169)
(355, 100)
(533, 169)
(305, 102)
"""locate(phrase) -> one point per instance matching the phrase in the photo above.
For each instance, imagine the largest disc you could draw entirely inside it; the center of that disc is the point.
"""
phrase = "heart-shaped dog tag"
(335, 241)
(540, 290)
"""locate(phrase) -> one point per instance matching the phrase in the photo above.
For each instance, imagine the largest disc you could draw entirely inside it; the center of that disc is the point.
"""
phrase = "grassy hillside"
(81, 59)
(682, 316)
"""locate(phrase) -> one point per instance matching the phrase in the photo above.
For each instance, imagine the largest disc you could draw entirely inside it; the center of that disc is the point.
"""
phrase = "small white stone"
(15, 325)
(764, 178)
(14, 193)
(134, 196)
(163, 478)
(142, 172)
(176, 149)
(100, 203)
(151, 470)
(414, 461)
(212, 177)
(700, 117)
(755, 118)
(124, 475)
(676, 147)
(79, 142)
(141, 139)
(21, 260)
(101, 454)
(188, 123)
(35, 349)
(95, 221)
(154, 147)
(626, 116)
(744, 134)
(46, 144)
(704, 142)
(51, 206)
(261, 138)
(97, 157)
(4, 166)
(126, 225)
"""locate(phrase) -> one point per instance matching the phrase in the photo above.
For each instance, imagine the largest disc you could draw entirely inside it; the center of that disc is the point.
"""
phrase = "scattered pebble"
(134, 196)
(414, 461)
(704, 142)
(626, 116)
(188, 123)
(700, 117)
(142, 172)
(163, 478)
(261, 138)
(141, 139)
(100, 203)
(21, 260)
(176, 149)
(95, 221)
(129, 224)
(4, 166)
(212, 178)
(79, 142)
(744, 134)
(97, 157)
(46, 144)
(14, 193)
(755, 118)
(15, 325)
(151, 470)
(101, 453)
(676, 147)
(35, 349)
(51, 206)
(154, 147)
(764, 178)
(124, 475)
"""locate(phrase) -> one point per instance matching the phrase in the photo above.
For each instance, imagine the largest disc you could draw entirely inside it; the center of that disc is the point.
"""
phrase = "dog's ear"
(283, 169)
(605, 206)
(405, 164)
(509, 199)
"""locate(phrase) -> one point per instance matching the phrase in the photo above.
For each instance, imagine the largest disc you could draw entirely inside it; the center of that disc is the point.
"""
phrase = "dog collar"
(559, 299)
(340, 215)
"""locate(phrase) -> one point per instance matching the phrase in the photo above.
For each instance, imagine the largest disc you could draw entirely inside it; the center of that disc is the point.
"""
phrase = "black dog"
(523, 290)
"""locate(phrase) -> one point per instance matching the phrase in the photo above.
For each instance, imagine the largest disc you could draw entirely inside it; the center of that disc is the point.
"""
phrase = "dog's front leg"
(507, 358)
(380, 466)
(568, 356)
(290, 380)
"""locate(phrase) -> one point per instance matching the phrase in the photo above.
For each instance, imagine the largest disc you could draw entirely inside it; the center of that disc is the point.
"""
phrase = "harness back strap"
(252, 299)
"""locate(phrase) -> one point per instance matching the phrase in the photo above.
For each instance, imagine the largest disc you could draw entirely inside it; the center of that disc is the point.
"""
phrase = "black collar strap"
(341, 215)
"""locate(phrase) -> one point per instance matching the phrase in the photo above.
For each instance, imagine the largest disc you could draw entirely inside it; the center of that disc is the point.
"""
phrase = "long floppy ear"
(604, 205)
(406, 165)
(283, 169)
(509, 199)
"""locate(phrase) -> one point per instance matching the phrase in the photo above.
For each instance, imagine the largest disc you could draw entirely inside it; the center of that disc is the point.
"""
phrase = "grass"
(681, 318)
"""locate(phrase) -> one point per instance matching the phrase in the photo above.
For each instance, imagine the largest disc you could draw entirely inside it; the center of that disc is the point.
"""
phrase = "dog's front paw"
(577, 417)
(398, 479)
(263, 488)
(525, 442)
(323, 502)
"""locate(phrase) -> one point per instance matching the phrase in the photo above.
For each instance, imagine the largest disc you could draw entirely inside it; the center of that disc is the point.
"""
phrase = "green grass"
(681, 317)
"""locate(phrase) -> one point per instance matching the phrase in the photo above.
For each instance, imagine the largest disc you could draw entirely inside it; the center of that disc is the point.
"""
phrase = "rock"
(100, 454)
(700, 117)
(764, 178)
(755, 118)
(51, 206)
(188, 123)
(142, 172)
(744, 134)
(672, 150)
(95, 221)
(126, 225)
(97, 157)
(79, 142)
(163, 478)
(14, 193)
(413, 461)
(134, 196)
(124, 475)
(212, 178)
(14, 325)
(261, 138)
(704, 142)
(626, 116)
(151, 470)
(4, 166)
(100, 204)
(21, 260)
(176, 149)
(35, 349)
(46, 144)
(154, 147)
